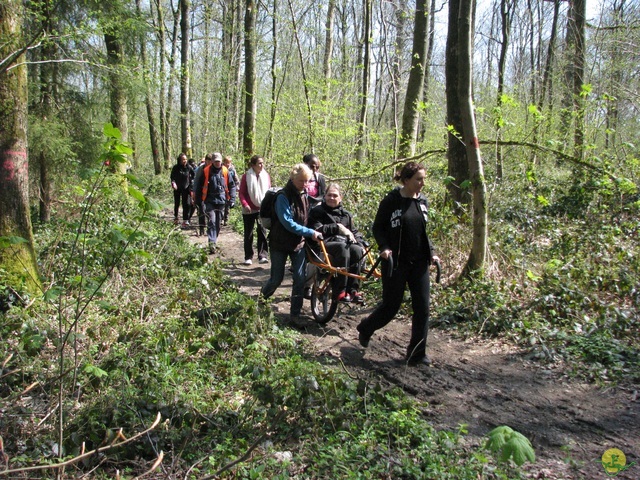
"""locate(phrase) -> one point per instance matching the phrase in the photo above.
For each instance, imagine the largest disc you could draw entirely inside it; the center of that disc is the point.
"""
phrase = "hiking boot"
(363, 339)
(414, 362)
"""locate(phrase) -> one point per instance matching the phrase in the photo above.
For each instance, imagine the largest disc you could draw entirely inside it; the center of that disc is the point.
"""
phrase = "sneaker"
(185, 224)
(212, 248)
(343, 296)
(356, 297)
(248, 261)
(263, 260)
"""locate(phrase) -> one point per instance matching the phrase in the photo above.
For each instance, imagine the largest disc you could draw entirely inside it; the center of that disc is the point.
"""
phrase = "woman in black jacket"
(400, 231)
(342, 241)
(181, 181)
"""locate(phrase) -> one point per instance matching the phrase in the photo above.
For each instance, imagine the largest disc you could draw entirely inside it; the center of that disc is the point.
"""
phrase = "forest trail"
(481, 383)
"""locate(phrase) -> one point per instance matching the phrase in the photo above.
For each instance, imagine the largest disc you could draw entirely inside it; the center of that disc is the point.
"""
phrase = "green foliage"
(509, 443)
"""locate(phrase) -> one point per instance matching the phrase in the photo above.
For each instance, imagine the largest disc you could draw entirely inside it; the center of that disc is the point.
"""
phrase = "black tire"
(323, 306)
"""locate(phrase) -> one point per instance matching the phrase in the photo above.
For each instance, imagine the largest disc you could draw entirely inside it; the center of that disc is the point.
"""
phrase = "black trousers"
(416, 275)
(181, 195)
(249, 222)
(349, 256)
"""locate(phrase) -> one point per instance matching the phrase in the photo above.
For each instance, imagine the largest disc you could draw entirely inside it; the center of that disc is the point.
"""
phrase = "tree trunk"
(185, 116)
(117, 91)
(303, 72)
(162, 78)
(574, 74)
(151, 116)
(364, 92)
(249, 128)
(328, 48)
(458, 167)
(18, 260)
(274, 78)
(428, 61)
(477, 256)
(48, 79)
(411, 114)
(506, 7)
(396, 69)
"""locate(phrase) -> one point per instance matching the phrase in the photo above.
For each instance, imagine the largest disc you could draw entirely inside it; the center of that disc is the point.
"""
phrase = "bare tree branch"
(96, 451)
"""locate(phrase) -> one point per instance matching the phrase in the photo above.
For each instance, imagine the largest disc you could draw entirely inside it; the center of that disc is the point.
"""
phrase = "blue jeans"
(214, 215)
(278, 264)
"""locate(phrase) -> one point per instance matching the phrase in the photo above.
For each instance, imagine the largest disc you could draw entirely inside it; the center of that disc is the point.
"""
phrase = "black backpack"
(267, 207)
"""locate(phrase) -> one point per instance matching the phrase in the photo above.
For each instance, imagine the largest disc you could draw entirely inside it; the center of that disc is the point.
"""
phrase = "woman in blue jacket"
(287, 237)
(400, 231)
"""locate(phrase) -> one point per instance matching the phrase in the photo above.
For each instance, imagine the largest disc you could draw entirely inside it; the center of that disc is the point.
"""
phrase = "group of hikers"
(209, 189)
(307, 211)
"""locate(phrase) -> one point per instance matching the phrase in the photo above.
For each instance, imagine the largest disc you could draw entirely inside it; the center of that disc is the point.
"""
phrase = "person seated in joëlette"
(343, 242)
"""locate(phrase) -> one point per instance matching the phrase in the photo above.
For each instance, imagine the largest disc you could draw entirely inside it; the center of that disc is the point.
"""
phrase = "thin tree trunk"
(117, 90)
(303, 71)
(328, 48)
(237, 70)
(397, 67)
(364, 92)
(18, 261)
(164, 128)
(185, 103)
(48, 79)
(428, 61)
(411, 114)
(506, 7)
(477, 256)
(274, 77)
(248, 136)
(168, 146)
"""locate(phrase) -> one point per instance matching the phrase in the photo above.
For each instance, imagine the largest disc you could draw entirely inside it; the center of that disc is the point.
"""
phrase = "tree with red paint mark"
(17, 254)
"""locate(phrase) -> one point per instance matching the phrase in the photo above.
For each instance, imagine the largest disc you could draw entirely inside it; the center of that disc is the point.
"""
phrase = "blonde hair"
(300, 169)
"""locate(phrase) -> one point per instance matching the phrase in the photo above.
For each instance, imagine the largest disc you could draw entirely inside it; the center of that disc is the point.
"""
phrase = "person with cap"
(212, 193)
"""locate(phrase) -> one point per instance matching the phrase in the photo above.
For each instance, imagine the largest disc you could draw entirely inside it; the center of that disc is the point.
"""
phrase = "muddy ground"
(482, 383)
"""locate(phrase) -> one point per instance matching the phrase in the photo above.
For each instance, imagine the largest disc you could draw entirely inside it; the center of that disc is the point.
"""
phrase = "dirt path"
(481, 383)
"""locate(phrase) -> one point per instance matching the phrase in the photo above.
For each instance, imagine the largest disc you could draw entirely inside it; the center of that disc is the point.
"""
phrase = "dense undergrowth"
(135, 322)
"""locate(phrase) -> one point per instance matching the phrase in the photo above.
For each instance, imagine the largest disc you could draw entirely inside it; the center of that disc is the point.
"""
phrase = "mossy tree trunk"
(18, 260)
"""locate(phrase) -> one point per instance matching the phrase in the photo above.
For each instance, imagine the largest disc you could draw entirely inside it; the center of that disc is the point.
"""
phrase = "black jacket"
(279, 237)
(325, 220)
(183, 176)
(387, 226)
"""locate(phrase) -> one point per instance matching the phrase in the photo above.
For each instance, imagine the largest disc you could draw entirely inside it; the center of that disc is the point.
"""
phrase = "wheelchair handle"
(438, 270)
